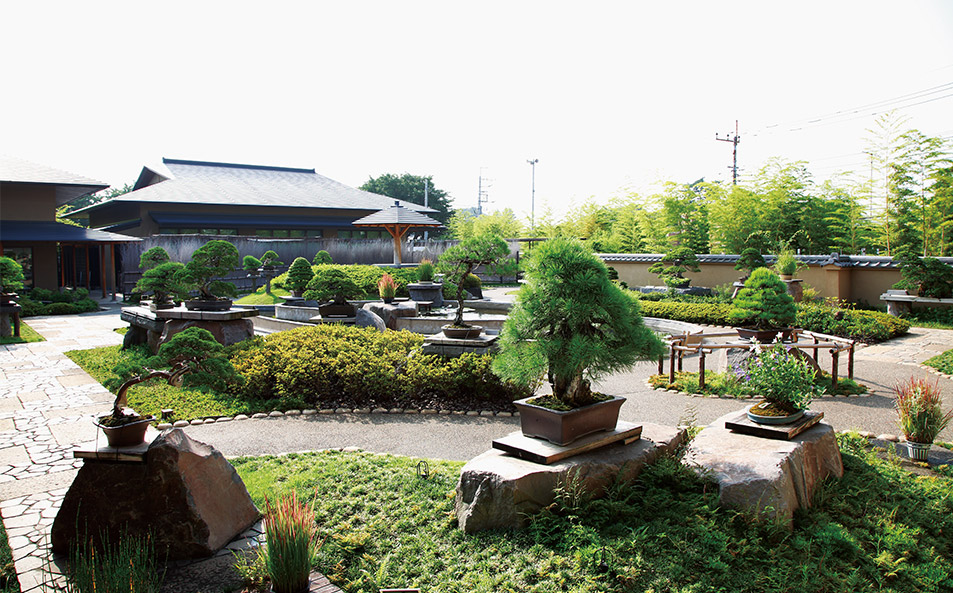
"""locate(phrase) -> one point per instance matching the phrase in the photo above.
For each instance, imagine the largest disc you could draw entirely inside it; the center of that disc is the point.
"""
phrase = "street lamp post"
(532, 206)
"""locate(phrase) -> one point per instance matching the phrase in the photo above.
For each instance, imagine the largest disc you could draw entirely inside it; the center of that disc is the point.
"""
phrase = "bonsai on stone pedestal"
(331, 287)
(11, 280)
(165, 284)
(570, 324)
(785, 382)
(763, 307)
(209, 262)
(457, 263)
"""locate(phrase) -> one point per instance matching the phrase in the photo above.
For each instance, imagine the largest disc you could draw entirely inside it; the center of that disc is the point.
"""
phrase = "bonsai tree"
(164, 282)
(784, 380)
(269, 260)
(571, 324)
(322, 257)
(252, 265)
(213, 260)
(673, 265)
(787, 264)
(749, 260)
(764, 302)
(928, 276)
(425, 271)
(332, 284)
(11, 275)
(153, 257)
(299, 274)
(459, 261)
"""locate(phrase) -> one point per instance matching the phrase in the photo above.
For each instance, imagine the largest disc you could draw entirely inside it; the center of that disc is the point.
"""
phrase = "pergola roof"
(397, 215)
(47, 231)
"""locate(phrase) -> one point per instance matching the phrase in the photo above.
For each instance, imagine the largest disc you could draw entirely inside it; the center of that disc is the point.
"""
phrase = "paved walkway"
(47, 404)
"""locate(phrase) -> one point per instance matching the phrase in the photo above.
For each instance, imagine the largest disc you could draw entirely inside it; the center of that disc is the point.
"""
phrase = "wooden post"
(62, 265)
(681, 356)
(86, 259)
(112, 265)
(75, 265)
(671, 365)
(850, 362)
(102, 268)
(834, 355)
(701, 369)
(661, 365)
(814, 353)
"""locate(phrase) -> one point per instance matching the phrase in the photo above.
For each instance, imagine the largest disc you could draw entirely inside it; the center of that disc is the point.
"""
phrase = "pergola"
(397, 220)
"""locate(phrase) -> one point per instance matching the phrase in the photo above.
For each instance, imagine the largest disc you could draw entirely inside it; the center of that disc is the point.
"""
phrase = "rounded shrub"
(299, 275)
(322, 257)
(764, 302)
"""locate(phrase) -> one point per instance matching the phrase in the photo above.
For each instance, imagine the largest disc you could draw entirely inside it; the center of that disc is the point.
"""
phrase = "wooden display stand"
(546, 453)
(784, 432)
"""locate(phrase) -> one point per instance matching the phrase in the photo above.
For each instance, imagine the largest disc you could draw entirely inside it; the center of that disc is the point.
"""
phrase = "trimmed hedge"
(323, 365)
(32, 308)
(365, 277)
(866, 326)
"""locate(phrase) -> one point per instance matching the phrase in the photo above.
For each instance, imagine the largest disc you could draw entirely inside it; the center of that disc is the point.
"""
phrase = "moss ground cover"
(877, 529)
(8, 573)
(27, 334)
(942, 362)
(727, 384)
(260, 297)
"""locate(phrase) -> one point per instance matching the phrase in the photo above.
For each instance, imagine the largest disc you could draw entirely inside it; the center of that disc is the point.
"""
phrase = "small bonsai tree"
(164, 281)
(213, 260)
(11, 275)
(425, 271)
(764, 302)
(459, 261)
(673, 265)
(332, 284)
(252, 265)
(153, 257)
(322, 257)
(571, 324)
(269, 260)
(299, 274)
(928, 276)
(749, 260)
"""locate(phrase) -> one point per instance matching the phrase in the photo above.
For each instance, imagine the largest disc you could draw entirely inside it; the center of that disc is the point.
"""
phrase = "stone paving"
(47, 405)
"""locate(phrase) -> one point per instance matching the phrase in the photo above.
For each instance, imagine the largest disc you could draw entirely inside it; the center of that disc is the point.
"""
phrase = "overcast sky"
(607, 95)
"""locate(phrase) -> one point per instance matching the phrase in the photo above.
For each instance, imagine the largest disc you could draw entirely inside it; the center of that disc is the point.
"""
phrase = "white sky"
(606, 95)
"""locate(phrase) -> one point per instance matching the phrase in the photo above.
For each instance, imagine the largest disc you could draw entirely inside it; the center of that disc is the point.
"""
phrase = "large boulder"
(185, 494)
(390, 312)
(765, 476)
(366, 318)
(226, 333)
(497, 490)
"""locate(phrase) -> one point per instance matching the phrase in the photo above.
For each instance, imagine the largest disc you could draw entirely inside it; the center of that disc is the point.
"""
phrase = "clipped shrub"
(764, 302)
(31, 308)
(704, 313)
(866, 326)
(299, 275)
(322, 257)
(11, 275)
(365, 277)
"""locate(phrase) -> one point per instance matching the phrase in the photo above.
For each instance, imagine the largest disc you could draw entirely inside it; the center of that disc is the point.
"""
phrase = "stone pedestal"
(452, 347)
(182, 491)
(795, 289)
(10, 320)
(228, 327)
(432, 292)
(389, 313)
(499, 491)
(759, 475)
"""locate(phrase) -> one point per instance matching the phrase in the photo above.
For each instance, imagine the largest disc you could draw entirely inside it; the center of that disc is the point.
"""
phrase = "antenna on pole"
(426, 204)
(734, 158)
(483, 196)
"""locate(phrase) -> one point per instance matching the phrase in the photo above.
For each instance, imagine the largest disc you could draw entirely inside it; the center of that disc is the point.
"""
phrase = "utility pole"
(532, 207)
(482, 194)
(734, 160)
(426, 204)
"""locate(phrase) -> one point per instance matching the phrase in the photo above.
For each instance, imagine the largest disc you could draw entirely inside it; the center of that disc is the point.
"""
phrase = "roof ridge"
(167, 161)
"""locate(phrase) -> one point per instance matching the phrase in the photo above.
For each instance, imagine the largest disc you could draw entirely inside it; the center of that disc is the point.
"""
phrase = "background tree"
(675, 263)
(459, 261)
(410, 188)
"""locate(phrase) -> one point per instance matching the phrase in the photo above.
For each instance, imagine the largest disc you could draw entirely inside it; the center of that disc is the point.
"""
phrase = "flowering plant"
(920, 410)
(782, 379)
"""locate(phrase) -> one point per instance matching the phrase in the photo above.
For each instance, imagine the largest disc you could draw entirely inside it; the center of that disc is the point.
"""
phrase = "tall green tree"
(410, 188)
(911, 183)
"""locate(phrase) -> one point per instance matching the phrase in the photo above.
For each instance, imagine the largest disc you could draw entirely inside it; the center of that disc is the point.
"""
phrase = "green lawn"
(942, 362)
(877, 529)
(27, 334)
(259, 297)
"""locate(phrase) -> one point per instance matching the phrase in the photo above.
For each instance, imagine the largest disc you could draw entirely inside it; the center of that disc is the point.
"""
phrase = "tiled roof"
(198, 182)
(843, 261)
(69, 186)
(397, 214)
(41, 231)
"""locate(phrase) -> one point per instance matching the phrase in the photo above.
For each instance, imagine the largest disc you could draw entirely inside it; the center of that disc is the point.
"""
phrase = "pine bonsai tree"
(11, 275)
(764, 302)
(332, 283)
(251, 264)
(299, 274)
(749, 260)
(673, 265)
(322, 257)
(459, 261)
(153, 257)
(572, 324)
(213, 260)
(270, 259)
(164, 282)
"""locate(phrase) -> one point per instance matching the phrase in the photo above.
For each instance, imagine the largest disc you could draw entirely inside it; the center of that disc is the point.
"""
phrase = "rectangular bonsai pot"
(562, 428)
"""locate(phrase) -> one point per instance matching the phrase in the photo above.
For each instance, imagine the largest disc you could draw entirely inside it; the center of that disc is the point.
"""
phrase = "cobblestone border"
(330, 411)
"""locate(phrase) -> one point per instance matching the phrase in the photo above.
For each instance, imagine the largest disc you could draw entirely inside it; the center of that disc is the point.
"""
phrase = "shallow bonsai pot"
(764, 336)
(160, 306)
(562, 428)
(337, 310)
(918, 451)
(208, 305)
(387, 300)
(462, 333)
(759, 419)
(127, 435)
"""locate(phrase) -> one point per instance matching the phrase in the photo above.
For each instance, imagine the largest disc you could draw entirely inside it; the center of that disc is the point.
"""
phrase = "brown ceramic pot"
(563, 428)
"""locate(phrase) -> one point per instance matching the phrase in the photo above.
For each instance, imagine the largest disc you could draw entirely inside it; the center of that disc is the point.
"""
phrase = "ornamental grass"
(129, 565)
(291, 534)
(920, 410)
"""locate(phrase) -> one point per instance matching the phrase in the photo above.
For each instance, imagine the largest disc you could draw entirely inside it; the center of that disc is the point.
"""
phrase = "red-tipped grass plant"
(291, 543)
(920, 410)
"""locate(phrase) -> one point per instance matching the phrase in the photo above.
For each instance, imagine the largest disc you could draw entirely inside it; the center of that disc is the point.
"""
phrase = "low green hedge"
(364, 276)
(31, 308)
(325, 365)
(866, 326)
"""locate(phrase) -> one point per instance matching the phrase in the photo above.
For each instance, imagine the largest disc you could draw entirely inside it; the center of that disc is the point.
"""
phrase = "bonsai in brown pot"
(209, 263)
(458, 262)
(763, 308)
(331, 287)
(570, 324)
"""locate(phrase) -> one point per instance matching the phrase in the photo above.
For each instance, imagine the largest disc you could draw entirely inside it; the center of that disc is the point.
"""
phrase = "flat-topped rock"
(499, 491)
(390, 312)
(760, 475)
